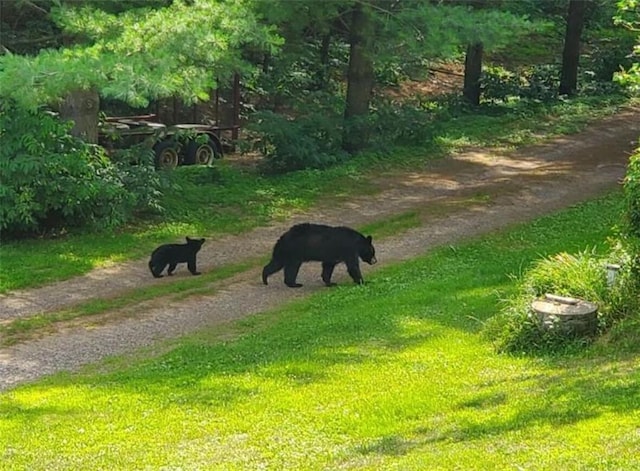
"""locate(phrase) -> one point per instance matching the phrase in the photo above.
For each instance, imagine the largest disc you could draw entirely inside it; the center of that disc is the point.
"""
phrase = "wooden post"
(472, 73)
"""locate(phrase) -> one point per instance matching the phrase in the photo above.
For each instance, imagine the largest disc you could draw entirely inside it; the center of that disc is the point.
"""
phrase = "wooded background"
(318, 79)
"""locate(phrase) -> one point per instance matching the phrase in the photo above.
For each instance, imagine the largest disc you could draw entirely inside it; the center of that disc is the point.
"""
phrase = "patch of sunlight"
(453, 142)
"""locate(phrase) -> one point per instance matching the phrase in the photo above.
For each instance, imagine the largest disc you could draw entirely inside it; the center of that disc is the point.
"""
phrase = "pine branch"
(35, 7)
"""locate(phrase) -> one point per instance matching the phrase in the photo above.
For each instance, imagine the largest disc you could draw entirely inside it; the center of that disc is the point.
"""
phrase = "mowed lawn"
(391, 375)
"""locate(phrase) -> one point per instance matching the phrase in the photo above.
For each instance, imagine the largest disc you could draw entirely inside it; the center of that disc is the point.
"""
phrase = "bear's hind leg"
(327, 271)
(172, 266)
(291, 273)
(156, 270)
(270, 268)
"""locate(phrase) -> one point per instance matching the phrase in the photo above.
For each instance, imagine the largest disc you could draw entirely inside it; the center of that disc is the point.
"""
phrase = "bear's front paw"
(196, 273)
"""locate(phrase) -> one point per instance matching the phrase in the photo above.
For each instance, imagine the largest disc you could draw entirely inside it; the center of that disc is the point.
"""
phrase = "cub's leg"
(291, 273)
(172, 266)
(191, 265)
(327, 271)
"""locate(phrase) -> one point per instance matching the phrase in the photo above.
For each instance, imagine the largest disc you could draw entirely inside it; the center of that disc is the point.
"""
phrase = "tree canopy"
(140, 53)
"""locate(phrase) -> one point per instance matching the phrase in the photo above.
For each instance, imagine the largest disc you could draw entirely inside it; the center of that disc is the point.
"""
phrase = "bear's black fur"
(317, 242)
(172, 254)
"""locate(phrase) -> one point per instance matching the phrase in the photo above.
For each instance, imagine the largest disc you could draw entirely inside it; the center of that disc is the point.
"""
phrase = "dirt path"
(468, 194)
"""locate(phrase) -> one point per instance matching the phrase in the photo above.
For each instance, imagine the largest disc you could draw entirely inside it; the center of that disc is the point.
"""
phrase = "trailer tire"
(167, 156)
(203, 153)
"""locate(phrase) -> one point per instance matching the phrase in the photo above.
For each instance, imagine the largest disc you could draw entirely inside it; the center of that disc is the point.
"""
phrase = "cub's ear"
(189, 239)
(369, 239)
(202, 240)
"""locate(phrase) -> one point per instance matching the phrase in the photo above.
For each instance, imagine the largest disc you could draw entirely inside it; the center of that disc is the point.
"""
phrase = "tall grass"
(390, 375)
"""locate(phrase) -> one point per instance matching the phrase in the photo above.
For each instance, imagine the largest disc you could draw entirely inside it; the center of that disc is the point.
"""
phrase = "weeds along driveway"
(465, 195)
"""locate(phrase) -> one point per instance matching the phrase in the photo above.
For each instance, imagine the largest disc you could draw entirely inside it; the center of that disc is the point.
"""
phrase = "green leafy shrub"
(308, 141)
(539, 82)
(608, 56)
(403, 123)
(499, 84)
(53, 181)
(624, 297)
(632, 195)
(626, 251)
(137, 172)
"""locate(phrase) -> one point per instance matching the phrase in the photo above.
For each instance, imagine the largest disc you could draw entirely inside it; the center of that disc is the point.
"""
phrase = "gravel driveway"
(514, 187)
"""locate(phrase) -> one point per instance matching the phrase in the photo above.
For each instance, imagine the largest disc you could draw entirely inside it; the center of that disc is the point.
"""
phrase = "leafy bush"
(624, 298)
(539, 82)
(136, 169)
(53, 181)
(607, 56)
(626, 251)
(632, 195)
(499, 84)
(404, 123)
(310, 141)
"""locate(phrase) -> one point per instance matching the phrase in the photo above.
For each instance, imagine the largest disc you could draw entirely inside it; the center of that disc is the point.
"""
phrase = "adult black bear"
(172, 254)
(317, 242)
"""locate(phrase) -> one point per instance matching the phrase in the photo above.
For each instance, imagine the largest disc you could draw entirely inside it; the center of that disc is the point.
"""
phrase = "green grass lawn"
(394, 374)
(210, 202)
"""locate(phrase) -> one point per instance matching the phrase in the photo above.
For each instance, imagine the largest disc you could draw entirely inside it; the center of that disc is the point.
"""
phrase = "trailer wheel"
(166, 155)
(202, 153)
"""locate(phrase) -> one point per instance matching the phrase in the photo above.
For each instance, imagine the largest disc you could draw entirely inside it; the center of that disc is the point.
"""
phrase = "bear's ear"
(189, 239)
(369, 239)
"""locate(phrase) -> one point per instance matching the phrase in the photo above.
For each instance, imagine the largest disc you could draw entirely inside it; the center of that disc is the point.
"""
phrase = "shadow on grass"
(566, 398)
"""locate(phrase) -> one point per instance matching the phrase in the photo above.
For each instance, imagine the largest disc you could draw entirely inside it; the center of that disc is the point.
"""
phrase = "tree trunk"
(81, 107)
(359, 81)
(571, 52)
(472, 73)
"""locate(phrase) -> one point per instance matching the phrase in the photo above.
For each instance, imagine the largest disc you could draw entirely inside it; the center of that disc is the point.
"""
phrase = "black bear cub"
(172, 254)
(317, 242)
